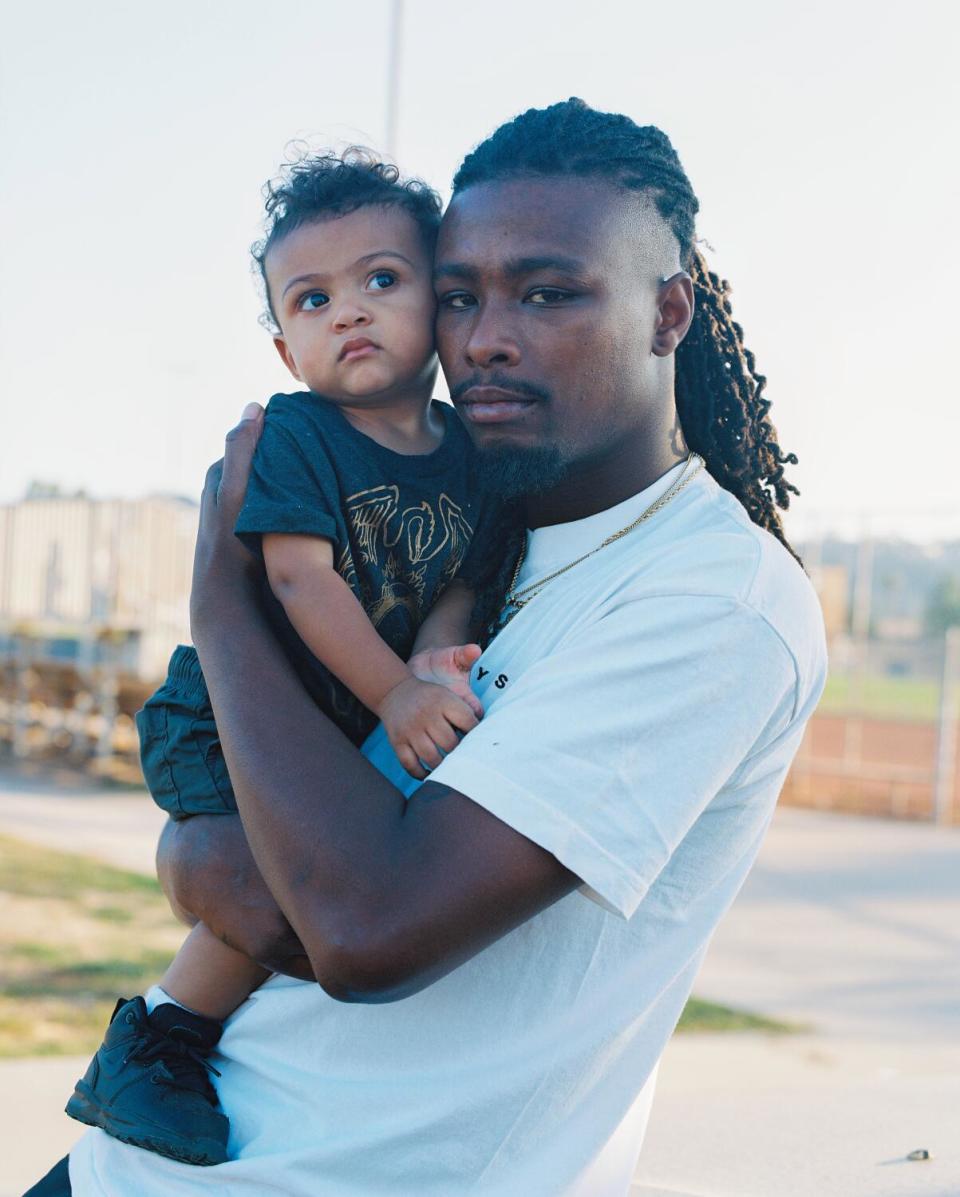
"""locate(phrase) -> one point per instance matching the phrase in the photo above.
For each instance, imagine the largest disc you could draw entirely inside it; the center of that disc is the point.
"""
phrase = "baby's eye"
(381, 280)
(313, 300)
(544, 295)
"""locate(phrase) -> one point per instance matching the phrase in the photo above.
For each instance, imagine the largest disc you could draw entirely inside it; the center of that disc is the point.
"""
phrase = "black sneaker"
(148, 1084)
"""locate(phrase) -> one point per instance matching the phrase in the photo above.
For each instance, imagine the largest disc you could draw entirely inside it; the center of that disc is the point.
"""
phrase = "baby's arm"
(421, 717)
(448, 622)
(442, 651)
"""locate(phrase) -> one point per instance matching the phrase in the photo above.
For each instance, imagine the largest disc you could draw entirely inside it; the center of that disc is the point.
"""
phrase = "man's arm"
(208, 874)
(385, 895)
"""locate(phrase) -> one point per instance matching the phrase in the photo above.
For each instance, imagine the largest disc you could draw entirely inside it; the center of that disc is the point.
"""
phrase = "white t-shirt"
(641, 714)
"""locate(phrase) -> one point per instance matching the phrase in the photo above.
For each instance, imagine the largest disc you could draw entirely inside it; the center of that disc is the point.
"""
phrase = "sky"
(136, 138)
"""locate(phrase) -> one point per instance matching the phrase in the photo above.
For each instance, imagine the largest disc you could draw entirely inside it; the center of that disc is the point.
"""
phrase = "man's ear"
(284, 350)
(674, 313)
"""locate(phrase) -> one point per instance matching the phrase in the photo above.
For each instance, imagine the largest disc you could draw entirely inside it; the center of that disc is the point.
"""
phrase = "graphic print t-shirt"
(400, 525)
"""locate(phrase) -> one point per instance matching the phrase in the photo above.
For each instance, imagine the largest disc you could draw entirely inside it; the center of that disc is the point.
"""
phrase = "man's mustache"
(503, 382)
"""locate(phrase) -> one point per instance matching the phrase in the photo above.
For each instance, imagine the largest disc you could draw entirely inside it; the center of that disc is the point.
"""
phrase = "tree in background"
(943, 606)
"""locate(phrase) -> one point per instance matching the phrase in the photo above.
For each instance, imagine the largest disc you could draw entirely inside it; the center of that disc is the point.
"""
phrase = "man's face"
(548, 292)
(353, 299)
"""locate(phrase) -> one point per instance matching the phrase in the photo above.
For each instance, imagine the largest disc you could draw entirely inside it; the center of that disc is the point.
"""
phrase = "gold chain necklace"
(517, 599)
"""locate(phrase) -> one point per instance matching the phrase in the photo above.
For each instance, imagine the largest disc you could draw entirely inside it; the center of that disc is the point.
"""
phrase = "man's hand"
(450, 667)
(221, 565)
(422, 721)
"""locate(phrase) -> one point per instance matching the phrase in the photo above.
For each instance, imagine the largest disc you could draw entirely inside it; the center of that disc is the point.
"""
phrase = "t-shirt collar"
(559, 543)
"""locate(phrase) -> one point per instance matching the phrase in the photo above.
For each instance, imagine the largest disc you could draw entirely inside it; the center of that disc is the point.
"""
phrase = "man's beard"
(513, 473)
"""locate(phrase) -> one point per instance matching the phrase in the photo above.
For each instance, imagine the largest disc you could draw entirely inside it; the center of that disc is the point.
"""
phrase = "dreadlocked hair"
(719, 394)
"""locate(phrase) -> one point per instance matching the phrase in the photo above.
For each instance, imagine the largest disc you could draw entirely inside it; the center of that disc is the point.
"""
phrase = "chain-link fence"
(884, 738)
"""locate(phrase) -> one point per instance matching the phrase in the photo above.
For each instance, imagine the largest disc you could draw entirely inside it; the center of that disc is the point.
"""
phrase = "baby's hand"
(422, 720)
(450, 667)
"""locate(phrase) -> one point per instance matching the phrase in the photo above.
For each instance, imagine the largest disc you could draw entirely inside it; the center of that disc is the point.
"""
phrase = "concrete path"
(852, 924)
(849, 925)
(36, 1132)
(118, 826)
(853, 927)
(808, 1116)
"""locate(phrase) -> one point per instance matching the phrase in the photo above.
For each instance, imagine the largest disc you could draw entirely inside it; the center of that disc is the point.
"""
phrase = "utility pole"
(863, 586)
(394, 51)
(944, 797)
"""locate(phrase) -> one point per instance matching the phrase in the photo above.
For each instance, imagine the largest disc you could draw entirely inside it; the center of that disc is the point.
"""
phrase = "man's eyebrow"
(379, 253)
(513, 267)
(454, 269)
(537, 262)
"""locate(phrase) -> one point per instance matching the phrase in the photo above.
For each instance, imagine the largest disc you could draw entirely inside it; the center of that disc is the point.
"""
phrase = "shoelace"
(185, 1066)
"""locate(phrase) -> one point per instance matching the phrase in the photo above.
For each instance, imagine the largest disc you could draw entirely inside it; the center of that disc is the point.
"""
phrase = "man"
(503, 951)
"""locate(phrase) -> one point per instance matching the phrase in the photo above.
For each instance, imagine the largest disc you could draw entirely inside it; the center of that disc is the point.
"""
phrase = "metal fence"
(884, 739)
(68, 698)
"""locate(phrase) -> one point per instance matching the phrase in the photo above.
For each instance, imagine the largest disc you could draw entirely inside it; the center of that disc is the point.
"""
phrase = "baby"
(362, 502)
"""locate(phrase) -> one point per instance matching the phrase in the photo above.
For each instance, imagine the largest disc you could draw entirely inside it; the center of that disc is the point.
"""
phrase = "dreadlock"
(719, 394)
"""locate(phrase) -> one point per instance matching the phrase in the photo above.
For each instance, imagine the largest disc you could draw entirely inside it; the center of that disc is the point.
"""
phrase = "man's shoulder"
(712, 550)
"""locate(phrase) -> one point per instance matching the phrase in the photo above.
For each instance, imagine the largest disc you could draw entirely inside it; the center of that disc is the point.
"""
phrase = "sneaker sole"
(84, 1107)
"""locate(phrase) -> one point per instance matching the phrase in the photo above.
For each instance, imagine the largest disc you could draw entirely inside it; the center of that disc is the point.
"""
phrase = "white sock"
(156, 995)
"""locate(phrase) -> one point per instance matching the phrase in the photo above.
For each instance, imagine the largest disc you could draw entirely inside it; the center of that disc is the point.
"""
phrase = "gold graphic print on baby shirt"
(396, 546)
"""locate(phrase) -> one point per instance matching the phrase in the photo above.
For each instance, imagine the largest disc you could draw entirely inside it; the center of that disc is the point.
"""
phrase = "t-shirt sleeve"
(292, 486)
(606, 751)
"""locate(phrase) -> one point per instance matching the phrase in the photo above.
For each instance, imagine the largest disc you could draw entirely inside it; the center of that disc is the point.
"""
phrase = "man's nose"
(490, 342)
(350, 315)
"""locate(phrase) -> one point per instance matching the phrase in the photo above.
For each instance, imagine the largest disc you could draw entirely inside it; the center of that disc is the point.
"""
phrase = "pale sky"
(134, 139)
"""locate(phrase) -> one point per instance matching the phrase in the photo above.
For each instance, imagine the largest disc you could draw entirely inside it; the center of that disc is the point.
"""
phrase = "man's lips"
(493, 405)
(356, 348)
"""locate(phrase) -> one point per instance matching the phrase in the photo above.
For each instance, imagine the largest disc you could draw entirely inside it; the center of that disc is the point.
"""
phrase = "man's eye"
(544, 295)
(457, 301)
(312, 300)
(381, 280)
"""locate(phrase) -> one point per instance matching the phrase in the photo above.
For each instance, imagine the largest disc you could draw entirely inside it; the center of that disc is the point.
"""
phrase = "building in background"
(93, 596)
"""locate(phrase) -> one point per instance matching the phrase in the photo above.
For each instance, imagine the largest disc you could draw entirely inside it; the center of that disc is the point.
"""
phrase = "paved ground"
(852, 926)
(852, 923)
(118, 826)
(849, 925)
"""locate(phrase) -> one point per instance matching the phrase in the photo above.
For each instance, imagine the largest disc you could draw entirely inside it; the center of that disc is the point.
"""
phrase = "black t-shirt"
(400, 525)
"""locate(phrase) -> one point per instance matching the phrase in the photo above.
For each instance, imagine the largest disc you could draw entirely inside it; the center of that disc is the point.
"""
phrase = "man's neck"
(601, 483)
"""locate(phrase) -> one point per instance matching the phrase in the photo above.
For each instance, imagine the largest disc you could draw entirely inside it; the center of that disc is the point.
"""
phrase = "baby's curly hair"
(318, 187)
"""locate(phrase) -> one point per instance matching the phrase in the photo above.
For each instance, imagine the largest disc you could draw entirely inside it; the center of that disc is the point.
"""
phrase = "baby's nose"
(350, 316)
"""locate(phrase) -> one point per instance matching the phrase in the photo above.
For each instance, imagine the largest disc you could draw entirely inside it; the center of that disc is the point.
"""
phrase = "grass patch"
(31, 872)
(699, 1016)
(881, 697)
(75, 935)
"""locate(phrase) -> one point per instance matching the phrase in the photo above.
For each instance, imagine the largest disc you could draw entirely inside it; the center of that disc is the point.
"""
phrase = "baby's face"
(354, 300)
